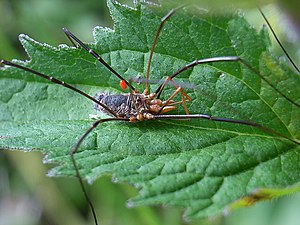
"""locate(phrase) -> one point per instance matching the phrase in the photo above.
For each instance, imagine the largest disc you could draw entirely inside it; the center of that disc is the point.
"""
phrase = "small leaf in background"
(200, 166)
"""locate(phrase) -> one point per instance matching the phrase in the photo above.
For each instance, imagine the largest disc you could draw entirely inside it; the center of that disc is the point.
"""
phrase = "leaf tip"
(258, 195)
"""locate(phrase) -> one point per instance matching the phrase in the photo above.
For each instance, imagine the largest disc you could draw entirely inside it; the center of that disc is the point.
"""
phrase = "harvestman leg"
(72, 37)
(227, 120)
(162, 23)
(268, 82)
(94, 125)
(192, 64)
(75, 149)
(278, 41)
(221, 59)
(56, 81)
(184, 97)
(210, 60)
(214, 59)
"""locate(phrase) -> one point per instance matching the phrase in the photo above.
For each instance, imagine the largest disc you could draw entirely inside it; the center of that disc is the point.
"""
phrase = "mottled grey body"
(122, 104)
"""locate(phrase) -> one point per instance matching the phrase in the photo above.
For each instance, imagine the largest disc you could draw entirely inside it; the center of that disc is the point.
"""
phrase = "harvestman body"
(134, 106)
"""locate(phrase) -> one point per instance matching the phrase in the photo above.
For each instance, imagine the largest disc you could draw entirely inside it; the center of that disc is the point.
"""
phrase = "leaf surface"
(201, 166)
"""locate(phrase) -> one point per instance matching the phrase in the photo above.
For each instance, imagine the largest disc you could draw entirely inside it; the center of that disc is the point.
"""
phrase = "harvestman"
(135, 106)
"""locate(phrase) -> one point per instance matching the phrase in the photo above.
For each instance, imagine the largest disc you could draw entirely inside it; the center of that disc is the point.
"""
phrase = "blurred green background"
(28, 197)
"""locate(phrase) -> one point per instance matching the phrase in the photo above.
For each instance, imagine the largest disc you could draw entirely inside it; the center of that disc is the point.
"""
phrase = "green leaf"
(201, 166)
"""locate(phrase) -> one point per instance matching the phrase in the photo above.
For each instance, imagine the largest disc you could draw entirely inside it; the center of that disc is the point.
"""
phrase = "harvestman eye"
(134, 106)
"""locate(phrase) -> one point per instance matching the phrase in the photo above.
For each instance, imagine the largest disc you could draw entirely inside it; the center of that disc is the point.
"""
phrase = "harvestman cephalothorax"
(135, 106)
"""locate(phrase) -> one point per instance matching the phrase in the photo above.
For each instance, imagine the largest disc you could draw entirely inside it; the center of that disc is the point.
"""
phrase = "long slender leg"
(278, 41)
(162, 23)
(54, 80)
(223, 59)
(71, 40)
(227, 120)
(183, 101)
(184, 97)
(71, 36)
(269, 83)
(195, 63)
(74, 150)
(169, 80)
(163, 20)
